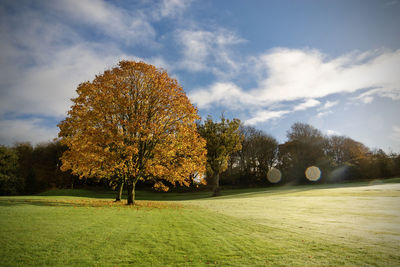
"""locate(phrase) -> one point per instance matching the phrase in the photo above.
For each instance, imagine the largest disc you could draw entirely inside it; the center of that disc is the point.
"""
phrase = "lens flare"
(313, 173)
(274, 175)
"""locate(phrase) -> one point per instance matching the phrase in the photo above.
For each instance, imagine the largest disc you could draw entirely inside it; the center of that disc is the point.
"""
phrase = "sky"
(332, 64)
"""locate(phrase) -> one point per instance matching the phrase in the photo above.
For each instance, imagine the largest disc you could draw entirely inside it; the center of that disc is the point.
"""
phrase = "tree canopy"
(305, 147)
(131, 123)
(258, 153)
(9, 180)
(223, 138)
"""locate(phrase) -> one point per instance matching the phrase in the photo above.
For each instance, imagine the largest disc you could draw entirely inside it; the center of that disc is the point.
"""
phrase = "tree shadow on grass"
(9, 202)
(37, 202)
(141, 195)
(84, 193)
(285, 189)
(242, 192)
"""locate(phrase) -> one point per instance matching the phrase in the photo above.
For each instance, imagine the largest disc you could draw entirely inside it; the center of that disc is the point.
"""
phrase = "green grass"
(321, 225)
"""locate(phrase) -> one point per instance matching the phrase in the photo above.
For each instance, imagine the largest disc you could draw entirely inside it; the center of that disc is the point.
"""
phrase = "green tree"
(25, 170)
(45, 166)
(306, 146)
(10, 182)
(223, 138)
(133, 123)
(258, 153)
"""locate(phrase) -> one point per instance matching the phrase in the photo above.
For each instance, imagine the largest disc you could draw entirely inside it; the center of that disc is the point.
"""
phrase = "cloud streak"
(171, 8)
(32, 130)
(265, 115)
(293, 74)
(395, 133)
(308, 104)
(208, 51)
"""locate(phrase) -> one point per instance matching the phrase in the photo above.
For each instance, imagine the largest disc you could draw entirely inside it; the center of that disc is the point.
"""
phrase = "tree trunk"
(131, 193)
(119, 192)
(216, 189)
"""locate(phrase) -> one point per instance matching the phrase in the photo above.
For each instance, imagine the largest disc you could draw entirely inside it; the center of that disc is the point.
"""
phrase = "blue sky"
(333, 64)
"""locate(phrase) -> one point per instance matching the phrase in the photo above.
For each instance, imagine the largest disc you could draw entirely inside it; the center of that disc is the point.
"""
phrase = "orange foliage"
(133, 122)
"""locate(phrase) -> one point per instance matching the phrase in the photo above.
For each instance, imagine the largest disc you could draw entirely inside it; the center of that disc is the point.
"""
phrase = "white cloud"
(396, 133)
(328, 105)
(227, 94)
(208, 51)
(389, 92)
(26, 130)
(288, 75)
(332, 132)
(132, 27)
(324, 110)
(46, 89)
(157, 61)
(367, 99)
(324, 113)
(293, 74)
(171, 8)
(297, 74)
(265, 115)
(308, 104)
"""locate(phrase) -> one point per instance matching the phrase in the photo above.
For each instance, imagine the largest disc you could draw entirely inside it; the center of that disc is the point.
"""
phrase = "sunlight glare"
(313, 173)
(274, 175)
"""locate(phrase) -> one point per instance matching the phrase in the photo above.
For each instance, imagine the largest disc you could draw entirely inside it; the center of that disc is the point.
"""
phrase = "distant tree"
(25, 166)
(305, 133)
(353, 151)
(247, 153)
(45, 167)
(337, 149)
(306, 146)
(375, 164)
(223, 138)
(10, 182)
(39, 167)
(258, 153)
(349, 159)
(266, 152)
(62, 179)
(133, 123)
(396, 164)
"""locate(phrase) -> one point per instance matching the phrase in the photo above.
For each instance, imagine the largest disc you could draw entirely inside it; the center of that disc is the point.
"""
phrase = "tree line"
(27, 169)
(337, 158)
(237, 155)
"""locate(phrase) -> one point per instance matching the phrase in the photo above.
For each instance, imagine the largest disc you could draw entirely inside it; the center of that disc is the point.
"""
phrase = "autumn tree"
(345, 150)
(223, 138)
(349, 159)
(132, 123)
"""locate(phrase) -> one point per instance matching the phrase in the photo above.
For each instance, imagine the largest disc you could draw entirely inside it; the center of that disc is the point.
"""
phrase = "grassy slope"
(320, 225)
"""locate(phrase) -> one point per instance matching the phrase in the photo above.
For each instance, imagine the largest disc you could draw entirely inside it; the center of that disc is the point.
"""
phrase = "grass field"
(321, 225)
